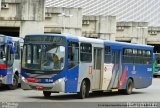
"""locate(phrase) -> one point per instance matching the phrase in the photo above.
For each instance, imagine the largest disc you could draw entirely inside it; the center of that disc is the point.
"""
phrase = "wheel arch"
(88, 81)
(132, 80)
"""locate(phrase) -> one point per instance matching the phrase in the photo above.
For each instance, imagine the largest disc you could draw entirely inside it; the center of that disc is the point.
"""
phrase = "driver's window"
(73, 54)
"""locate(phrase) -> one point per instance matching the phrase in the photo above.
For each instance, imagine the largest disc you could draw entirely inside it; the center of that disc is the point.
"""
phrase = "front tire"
(15, 83)
(46, 93)
(84, 92)
(129, 87)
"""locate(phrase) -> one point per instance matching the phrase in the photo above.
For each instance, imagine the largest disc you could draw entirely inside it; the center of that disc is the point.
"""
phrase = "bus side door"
(116, 73)
(97, 64)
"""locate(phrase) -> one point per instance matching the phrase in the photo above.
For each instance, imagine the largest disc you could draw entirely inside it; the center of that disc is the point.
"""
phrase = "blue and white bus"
(10, 61)
(156, 65)
(63, 63)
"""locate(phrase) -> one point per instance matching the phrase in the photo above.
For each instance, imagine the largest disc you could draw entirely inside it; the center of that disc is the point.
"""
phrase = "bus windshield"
(2, 54)
(157, 62)
(43, 57)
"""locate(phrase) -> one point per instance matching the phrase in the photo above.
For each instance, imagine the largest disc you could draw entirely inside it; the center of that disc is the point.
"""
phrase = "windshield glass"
(44, 57)
(2, 54)
(157, 60)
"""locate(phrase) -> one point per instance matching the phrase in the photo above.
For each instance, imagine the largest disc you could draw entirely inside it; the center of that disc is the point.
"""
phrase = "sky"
(124, 10)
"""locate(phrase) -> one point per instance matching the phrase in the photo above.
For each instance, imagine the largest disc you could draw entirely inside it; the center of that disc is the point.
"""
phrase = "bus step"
(114, 90)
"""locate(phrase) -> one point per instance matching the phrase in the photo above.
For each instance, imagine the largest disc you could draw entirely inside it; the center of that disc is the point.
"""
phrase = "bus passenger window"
(86, 52)
(148, 57)
(73, 54)
(128, 55)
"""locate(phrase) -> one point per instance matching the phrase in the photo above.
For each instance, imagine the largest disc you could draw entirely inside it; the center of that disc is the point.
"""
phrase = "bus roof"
(5, 39)
(92, 40)
(124, 44)
(17, 39)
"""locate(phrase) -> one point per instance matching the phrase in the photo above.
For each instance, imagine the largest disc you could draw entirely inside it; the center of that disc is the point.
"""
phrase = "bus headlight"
(59, 81)
(23, 78)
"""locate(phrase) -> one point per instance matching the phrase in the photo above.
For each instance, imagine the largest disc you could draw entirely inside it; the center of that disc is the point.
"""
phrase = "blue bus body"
(102, 64)
(9, 64)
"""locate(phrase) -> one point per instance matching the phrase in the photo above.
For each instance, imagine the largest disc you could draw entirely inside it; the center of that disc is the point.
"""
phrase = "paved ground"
(150, 94)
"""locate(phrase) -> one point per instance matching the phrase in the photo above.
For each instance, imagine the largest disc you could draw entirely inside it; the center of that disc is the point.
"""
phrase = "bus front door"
(97, 68)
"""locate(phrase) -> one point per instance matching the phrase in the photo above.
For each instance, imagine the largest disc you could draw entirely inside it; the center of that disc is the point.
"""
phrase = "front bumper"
(156, 73)
(8, 79)
(57, 86)
(2, 80)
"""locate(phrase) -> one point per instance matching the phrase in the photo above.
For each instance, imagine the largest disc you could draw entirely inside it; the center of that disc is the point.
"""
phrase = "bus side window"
(148, 57)
(86, 52)
(73, 54)
(128, 55)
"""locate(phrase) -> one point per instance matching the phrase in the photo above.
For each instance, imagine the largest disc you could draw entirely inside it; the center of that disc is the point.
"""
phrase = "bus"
(10, 61)
(55, 63)
(156, 71)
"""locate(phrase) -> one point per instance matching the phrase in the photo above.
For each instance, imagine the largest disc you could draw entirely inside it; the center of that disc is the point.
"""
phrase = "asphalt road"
(150, 94)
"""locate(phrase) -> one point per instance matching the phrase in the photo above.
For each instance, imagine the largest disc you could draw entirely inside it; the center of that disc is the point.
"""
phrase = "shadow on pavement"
(75, 96)
(6, 88)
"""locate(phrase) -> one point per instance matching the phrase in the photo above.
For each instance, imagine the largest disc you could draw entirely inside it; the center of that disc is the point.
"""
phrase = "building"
(135, 21)
(124, 10)
(21, 17)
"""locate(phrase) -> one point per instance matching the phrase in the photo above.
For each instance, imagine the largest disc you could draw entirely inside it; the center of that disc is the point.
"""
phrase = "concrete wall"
(99, 27)
(10, 10)
(135, 32)
(63, 20)
(153, 35)
(32, 17)
(32, 10)
(31, 27)
(26, 14)
(0, 5)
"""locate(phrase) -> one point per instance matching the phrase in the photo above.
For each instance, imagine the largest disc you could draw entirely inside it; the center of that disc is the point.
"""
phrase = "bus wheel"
(15, 83)
(129, 87)
(46, 93)
(83, 90)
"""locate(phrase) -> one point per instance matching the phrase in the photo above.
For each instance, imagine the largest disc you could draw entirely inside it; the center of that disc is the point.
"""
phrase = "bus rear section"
(137, 64)
(8, 75)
